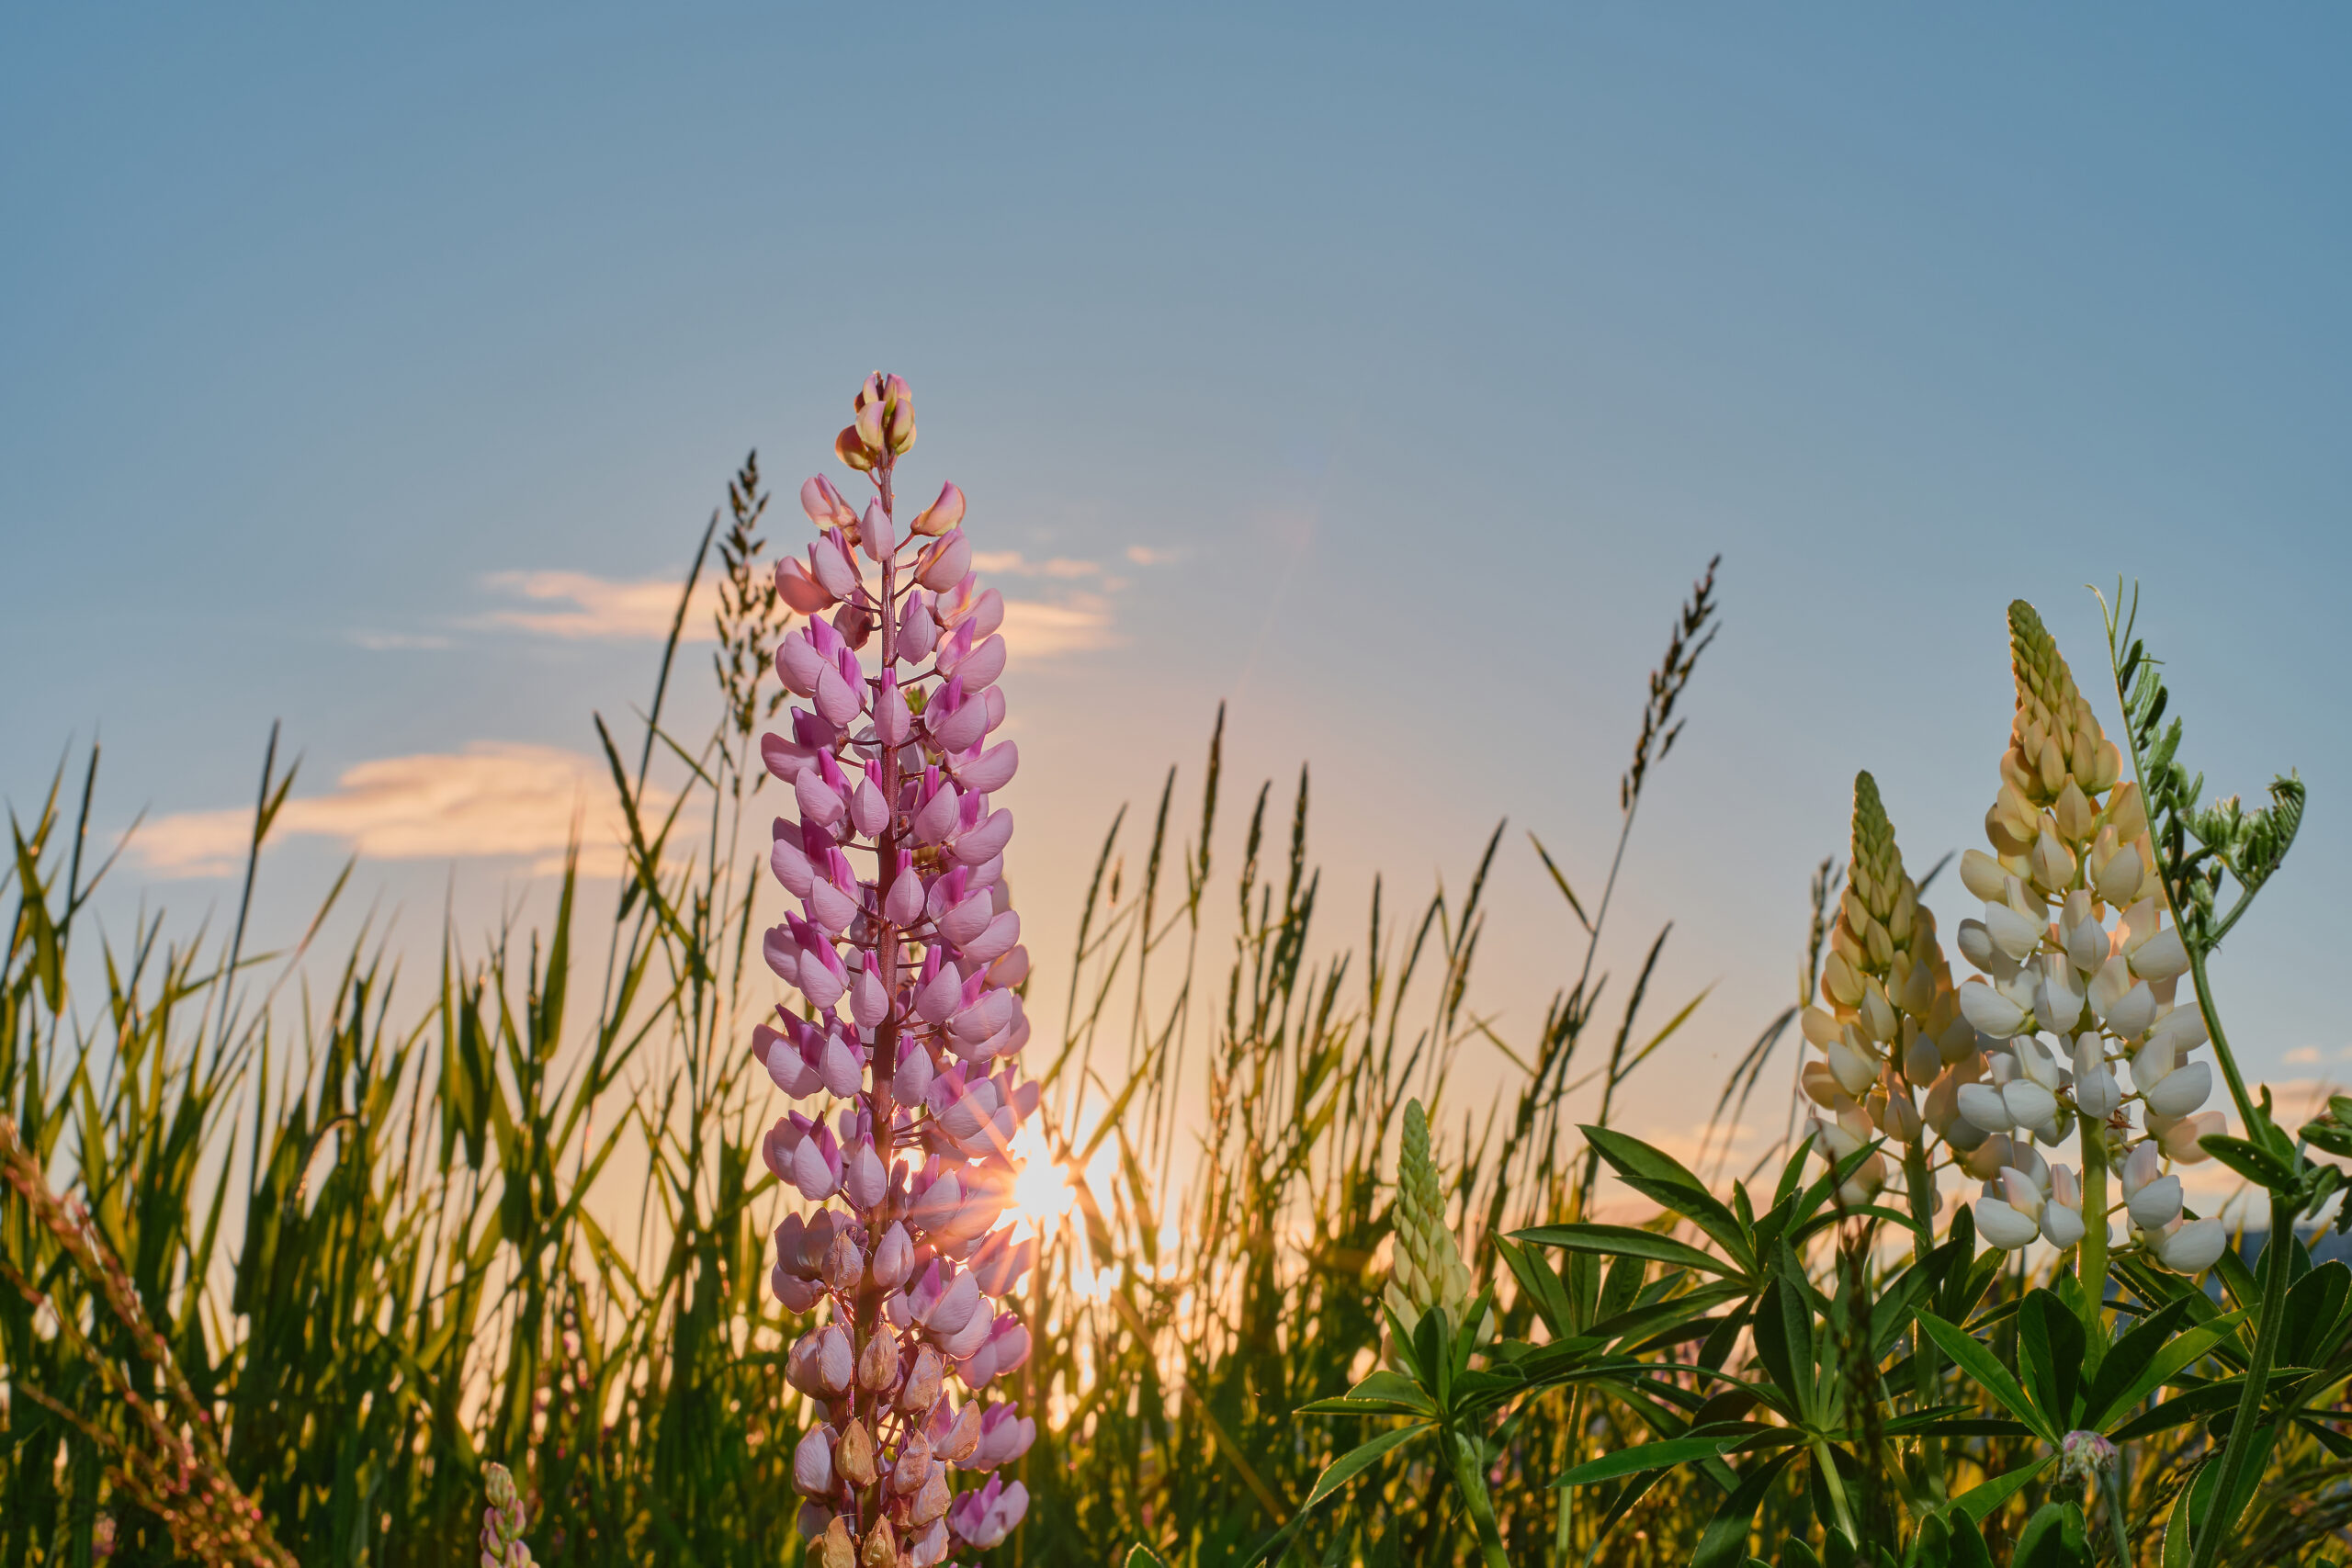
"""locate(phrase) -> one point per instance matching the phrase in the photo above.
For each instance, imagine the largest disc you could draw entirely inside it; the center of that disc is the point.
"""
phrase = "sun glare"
(1042, 1195)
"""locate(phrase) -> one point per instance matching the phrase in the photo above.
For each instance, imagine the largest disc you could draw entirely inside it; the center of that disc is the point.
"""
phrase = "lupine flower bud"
(854, 1456)
(942, 514)
(922, 1389)
(1429, 1271)
(836, 1548)
(812, 1462)
(2085, 1455)
(912, 1466)
(2162, 957)
(945, 562)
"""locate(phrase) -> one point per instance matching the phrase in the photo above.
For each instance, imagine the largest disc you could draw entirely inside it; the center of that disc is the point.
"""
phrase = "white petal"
(1981, 1104)
(2161, 957)
(1989, 1010)
(2194, 1246)
(2182, 1091)
(2157, 1204)
(2003, 1226)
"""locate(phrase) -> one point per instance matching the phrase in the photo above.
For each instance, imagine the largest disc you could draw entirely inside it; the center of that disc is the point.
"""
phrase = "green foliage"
(387, 1239)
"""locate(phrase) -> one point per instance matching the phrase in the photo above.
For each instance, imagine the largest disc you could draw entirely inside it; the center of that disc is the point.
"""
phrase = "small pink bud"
(869, 428)
(893, 722)
(918, 630)
(903, 905)
(941, 514)
(798, 664)
(869, 813)
(866, 1182)
(840, 1069)
(874, 533)
(812, 1462)
(799, 589)
(893, 1258)
(913, 1077)
(829, 563)
(825, 504)
(945, 562)
(789, 859)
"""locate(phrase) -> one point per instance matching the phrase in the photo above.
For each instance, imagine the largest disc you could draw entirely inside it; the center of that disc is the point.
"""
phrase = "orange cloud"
(494, 799)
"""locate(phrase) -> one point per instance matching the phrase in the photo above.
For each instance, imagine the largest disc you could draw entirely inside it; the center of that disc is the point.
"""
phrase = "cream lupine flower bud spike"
(2071, 852)
(1428, 1272)
(1889, 1023)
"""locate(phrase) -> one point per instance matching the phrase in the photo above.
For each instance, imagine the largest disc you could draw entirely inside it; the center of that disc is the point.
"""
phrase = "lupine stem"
(2239, 1452)
(2094, 1246)
(1475, 1500)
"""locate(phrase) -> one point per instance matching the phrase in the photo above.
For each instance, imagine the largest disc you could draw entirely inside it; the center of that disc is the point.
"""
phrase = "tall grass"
(385, 1233)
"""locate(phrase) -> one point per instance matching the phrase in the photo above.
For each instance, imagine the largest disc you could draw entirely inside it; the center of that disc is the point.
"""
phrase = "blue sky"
(1388, 371)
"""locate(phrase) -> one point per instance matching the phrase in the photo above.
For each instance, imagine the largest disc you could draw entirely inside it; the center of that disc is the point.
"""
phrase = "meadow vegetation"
(297, 1246)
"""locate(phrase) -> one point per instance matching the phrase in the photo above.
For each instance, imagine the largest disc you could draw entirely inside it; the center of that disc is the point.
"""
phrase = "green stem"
(1921, 1182)
(2222, 1053)
(1475, 1500)
(2094, 1248)
(2111, 1482)
(2278, 1258)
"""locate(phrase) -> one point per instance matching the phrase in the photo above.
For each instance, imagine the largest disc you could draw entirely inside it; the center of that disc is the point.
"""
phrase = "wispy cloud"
(577, 607)
(1146, 555)
(1013, 563)
(1035, 630)
(383, 642)
(494, 799)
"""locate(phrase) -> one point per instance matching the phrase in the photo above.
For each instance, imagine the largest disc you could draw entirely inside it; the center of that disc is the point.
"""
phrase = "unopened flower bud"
(2161, 957)
(812, 1462)
(844, 1262)
(877, 1364)
(836, 1548)
(854, 1456)
(921, 1390)
(941, 514)
(2085, 1455)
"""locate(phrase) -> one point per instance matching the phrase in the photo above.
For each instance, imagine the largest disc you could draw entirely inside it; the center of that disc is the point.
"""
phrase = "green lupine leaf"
(1651, 1456)
(2127, 1357)
(1991, 1376)
(1610, 1241)
(2251, 1160)
(1660, 1177)
(2051, 1351)
(1352, 1463)
(1978, 1502)
(1725, 1541)
(2165, 1363)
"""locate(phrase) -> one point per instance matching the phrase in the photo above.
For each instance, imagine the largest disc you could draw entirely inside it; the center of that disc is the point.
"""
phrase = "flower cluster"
(1888, 1026)
(2072, 943)
(501, 1523)
(907, 957)
(1428, 1272)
